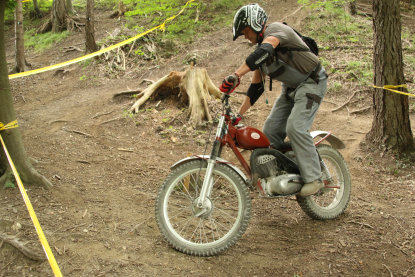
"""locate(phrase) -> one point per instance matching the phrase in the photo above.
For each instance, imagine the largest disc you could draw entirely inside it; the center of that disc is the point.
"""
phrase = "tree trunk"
(18, 24)
(353, 7)
(12, 137)
(121, 10)
(391, 127)
(37, 10)
(58, 16)
(69, 7)
(90, 44)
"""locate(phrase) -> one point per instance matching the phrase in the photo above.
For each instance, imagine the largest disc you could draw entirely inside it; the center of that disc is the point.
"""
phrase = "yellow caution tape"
(10, 125)
(390, 88)
(100, 52)
(42, 238)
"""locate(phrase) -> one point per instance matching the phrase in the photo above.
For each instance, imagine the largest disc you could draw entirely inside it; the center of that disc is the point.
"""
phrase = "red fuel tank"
(250, 138)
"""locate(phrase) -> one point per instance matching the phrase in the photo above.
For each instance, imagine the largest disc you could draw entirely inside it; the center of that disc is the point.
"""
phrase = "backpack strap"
(284, 50)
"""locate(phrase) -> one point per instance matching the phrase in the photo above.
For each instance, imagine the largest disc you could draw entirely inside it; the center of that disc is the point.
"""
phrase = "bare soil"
(106, 168)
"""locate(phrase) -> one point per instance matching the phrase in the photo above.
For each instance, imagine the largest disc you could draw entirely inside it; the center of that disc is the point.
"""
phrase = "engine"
(267, 166)
(274, 180)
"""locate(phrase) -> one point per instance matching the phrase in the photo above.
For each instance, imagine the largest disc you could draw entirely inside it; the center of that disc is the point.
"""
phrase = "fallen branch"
(346, 101)
(288, 16)
(57, 121)
(78, 132)
(73, 227)
(131, 48)
(138, 225)
(63, 71)
(390, 271)
(125, 150)
(362, 110)
(127, 92)
(330, 102)
(73, 48)
(101, 114)
(360, 223)
(108, 121)
(19, 246)
(350, 259)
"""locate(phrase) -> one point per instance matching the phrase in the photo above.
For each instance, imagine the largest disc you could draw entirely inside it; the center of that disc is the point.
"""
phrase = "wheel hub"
(205, 210)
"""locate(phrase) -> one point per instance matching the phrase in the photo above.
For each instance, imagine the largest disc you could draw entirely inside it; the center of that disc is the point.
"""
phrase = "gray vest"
(283, 72)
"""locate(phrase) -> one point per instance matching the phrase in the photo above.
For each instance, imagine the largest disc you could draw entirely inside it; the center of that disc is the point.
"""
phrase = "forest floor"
(106, 167)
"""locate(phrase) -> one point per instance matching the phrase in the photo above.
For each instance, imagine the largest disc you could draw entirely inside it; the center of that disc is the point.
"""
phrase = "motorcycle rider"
(304, 84)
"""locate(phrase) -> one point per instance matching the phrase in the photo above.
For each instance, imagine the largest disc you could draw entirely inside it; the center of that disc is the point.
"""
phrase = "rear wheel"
(331, 201)
(202, 232)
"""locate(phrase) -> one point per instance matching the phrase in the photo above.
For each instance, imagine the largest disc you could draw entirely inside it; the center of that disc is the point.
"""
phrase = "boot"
(311, 188)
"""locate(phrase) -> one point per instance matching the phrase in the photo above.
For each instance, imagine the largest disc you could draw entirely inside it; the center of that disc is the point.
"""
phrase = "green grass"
(41, 42)
(332, 27)
(361, 71)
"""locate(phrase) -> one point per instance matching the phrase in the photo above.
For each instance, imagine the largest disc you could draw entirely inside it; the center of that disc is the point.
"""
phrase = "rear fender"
(332, 139)
(218, 160)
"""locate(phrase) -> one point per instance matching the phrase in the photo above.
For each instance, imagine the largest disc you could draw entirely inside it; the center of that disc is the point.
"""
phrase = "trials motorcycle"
(204, 205)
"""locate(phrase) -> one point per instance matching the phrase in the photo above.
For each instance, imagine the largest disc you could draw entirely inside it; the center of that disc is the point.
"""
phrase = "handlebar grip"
(224, 97)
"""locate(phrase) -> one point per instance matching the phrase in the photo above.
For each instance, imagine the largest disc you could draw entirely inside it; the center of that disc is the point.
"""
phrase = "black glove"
(236, 118)
(230, 83)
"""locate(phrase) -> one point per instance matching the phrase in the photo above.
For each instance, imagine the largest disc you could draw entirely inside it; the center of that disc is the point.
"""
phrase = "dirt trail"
(99, 216)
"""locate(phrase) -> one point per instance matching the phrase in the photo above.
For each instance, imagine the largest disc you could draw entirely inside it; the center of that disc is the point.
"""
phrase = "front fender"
(218, 160)
(332, 139)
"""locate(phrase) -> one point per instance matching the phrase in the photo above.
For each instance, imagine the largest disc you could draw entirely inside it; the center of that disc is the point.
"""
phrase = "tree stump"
(195, 89)
(122, 9)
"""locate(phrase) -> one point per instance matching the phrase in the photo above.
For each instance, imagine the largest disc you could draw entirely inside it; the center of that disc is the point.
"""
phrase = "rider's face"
(250, 35)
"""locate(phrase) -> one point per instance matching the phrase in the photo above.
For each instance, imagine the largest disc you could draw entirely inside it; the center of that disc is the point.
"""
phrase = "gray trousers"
(292, 115)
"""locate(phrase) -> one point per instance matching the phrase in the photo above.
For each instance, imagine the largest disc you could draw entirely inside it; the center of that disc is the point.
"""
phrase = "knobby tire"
(329, 203)
(211, 233)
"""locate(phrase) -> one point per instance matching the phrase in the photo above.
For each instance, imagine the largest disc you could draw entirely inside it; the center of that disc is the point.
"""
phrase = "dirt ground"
(106, 168)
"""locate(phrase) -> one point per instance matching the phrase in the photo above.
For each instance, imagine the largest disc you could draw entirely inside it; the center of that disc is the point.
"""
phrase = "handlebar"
(225, 101)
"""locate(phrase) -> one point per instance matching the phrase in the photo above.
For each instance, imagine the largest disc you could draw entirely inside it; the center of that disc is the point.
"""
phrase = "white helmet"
(251, 15)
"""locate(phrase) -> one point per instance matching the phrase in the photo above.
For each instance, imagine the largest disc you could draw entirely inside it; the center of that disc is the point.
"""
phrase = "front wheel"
(202, 232)
(331, 201)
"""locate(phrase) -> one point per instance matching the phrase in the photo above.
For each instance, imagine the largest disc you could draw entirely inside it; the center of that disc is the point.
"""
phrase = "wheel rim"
(213, 226)
(328, 198)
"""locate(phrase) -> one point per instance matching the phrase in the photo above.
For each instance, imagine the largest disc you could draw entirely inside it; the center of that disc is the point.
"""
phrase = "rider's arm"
(256, 78)
(246, 104)
(255, 59)
(272, 40)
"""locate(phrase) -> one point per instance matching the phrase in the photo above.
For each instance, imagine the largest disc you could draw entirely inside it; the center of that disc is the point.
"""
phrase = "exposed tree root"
(6, 177)
(71, 23)
(33, 177)
(45, 27)
(29, 176)
(195, 89)
(20, 246)
(169, 81)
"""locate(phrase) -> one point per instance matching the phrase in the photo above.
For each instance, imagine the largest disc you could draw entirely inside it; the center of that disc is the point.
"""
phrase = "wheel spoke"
(226, 213)
(190, 228)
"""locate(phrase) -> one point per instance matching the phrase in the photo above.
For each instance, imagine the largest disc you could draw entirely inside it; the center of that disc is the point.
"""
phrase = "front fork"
(206, 190)
(327, 178)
